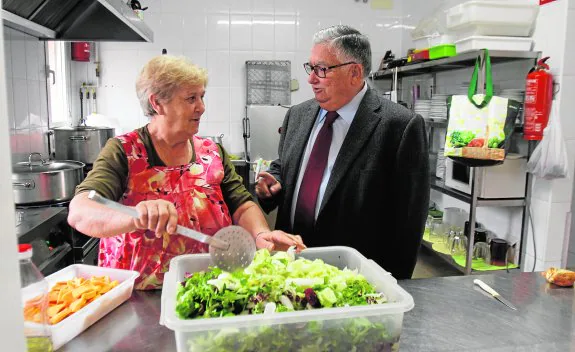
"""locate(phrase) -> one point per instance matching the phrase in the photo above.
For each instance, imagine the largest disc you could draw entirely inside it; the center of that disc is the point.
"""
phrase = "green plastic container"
(441, 51)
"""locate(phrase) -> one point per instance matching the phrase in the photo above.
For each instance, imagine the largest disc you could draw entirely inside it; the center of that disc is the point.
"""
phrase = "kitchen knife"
(494, 293)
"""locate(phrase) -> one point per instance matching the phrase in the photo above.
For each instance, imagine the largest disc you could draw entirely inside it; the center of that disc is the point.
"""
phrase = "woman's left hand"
(279, 241)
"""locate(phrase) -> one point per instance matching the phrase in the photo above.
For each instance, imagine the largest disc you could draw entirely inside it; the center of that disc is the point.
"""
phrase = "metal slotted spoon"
(231, 248)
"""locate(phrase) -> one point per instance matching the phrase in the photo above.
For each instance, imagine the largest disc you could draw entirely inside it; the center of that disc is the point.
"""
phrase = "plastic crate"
(493, 43)
(268, 82)
(207, 334)
(514, 18)
(79, 321)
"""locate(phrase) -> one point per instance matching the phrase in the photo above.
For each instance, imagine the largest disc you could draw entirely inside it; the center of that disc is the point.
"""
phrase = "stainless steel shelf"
(449, 260)
(456, 62)
(439, 185)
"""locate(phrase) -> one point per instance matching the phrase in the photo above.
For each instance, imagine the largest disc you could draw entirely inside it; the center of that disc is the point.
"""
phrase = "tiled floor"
(429, 265)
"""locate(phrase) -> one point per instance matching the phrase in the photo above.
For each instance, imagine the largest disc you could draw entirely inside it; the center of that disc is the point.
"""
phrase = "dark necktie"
(304, 217)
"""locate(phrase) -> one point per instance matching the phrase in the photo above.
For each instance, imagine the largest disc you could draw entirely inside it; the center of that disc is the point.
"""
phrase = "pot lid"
(39, 166)
(82, 128)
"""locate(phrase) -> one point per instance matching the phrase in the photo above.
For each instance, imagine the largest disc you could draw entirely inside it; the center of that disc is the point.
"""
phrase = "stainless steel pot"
(81, 143)
(42, 181)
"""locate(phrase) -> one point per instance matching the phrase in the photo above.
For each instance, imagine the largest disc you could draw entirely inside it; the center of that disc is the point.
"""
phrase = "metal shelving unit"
(466, 60)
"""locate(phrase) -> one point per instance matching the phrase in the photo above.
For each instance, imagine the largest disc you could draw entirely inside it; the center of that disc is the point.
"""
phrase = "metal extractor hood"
(76, 20)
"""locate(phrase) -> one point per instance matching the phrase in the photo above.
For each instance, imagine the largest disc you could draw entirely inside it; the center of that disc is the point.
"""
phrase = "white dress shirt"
(340, 128)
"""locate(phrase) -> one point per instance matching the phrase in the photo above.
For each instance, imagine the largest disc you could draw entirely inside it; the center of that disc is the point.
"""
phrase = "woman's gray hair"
(163, 75)
(349, 43)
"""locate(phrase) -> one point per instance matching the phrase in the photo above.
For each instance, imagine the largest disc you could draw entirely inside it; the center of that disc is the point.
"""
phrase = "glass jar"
(34, 291)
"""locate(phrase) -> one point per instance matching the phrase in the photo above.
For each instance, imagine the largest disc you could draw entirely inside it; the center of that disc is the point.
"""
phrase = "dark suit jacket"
(377, 197)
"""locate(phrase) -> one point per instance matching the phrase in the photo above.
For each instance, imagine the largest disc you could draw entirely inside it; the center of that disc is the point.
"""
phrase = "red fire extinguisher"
(538, 99)
(81, 51)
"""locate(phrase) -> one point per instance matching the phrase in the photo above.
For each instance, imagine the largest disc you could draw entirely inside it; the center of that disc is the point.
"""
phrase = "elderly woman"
(171, 177)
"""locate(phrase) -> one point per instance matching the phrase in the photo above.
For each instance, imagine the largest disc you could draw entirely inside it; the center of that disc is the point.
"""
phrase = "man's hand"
(157, 215)
(267, 186)
(279, 241)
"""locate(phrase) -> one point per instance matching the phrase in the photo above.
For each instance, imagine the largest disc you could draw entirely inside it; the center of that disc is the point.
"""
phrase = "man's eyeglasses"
(320, 71)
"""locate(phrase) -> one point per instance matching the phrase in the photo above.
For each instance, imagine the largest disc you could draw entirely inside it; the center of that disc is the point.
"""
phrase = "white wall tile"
(540, 216)
(568, 69)
(218, 27)
(286, 55)
(265, 7)
(306, 28)
(567, 106)
(204, 123)
(20, 87)
(8, 51)
(34, 105)
(541, 189)
(282, 7)
(154, 6)
(285, 33)
(195, 34)
(556, 231)
(263, 55)
(237, 104)
(263, 32)
(10, 103)
(20, 145)
(44, 104)
(238, 67)
(241, 7)
(241, 32)
(171, 6)
(217, 6)
(32, 60)
(236, 139)
(218, 104)
(39, 141)
(18, 52)
(124, 72)
(197, 57)
(219, 68)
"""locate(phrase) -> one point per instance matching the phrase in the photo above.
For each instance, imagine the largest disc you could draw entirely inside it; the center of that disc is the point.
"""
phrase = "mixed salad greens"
(277, 283)
(280, 283)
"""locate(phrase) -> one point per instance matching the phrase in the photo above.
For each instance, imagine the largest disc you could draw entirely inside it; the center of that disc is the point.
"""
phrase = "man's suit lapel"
(360, 131)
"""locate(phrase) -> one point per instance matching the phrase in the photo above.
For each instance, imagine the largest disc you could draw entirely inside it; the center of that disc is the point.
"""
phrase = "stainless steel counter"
(450, 314)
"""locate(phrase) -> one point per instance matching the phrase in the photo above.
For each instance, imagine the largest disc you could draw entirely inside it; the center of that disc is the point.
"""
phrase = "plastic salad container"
(300, 330)
(79, 321)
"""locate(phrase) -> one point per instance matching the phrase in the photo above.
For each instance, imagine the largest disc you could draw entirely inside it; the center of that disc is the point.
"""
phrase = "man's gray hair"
(349, 43)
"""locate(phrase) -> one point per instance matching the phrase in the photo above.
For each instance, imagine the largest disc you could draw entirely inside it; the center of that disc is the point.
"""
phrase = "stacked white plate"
(422, 107)
(438, 107)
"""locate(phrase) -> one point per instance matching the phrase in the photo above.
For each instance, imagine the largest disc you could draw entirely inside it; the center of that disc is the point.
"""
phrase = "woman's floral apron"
(195, 191)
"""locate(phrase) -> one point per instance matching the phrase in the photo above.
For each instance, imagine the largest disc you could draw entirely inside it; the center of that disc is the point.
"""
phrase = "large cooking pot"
(42, 181)
(81, 143)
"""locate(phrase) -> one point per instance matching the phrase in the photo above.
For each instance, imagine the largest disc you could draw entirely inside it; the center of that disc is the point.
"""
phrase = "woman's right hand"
(157, 215)
(267, 186)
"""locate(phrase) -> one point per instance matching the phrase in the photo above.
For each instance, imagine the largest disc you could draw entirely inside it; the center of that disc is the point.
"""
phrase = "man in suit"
(353, 168)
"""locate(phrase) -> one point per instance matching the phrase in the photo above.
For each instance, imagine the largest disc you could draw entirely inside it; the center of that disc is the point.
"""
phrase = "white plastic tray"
(493, 43)
(79, 321)
(239, 327)
(499, 18)
(431, 41)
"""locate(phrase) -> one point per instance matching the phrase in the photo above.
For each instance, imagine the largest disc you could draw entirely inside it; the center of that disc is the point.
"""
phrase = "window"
(58, 68)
